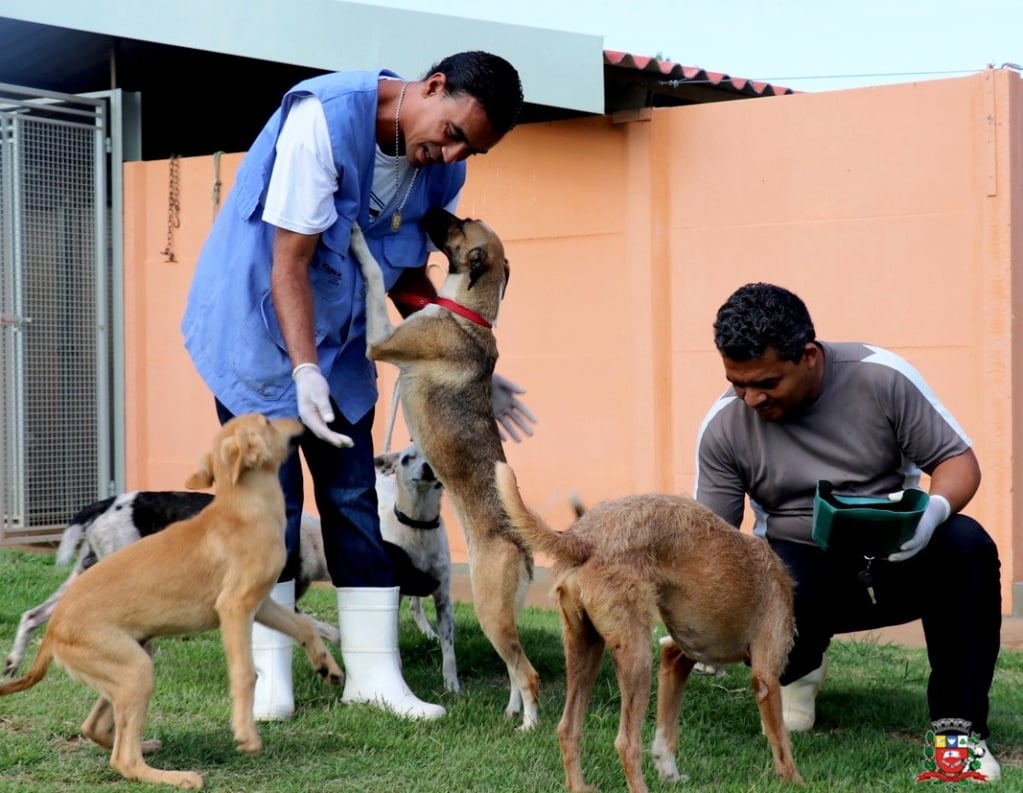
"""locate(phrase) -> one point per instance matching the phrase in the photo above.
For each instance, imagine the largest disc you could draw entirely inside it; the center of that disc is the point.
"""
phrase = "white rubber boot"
(989, 766)
(799, 699)
(274, 699)
(368, 618)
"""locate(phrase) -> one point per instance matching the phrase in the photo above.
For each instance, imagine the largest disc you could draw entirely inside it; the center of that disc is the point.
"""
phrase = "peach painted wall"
(889, 209)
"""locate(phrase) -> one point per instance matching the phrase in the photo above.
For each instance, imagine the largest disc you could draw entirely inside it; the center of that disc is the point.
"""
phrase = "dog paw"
(333, 676)
(188, 780)
(152, 745)
(664, 760)
(667, 771)
(529, 721)
(672, 776)
(250, 745)
(428, 632)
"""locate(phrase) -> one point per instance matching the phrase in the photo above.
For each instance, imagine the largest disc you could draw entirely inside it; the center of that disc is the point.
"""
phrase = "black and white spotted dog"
(112, 523)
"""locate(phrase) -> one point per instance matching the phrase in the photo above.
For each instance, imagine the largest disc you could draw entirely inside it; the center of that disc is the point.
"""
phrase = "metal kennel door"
(55, 433)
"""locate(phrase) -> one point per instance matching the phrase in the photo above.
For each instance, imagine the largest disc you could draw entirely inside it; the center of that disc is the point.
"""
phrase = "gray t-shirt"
(874, 426)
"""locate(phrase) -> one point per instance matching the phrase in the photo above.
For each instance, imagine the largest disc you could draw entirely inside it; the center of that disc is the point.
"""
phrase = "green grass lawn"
(872, 718)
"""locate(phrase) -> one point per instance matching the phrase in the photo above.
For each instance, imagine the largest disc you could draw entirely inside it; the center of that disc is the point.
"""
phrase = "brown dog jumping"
(215, 569)
(445, 354)
(722, 595)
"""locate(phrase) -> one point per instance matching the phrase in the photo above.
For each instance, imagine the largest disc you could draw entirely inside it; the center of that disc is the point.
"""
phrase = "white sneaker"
(989, 766)
(799, 699)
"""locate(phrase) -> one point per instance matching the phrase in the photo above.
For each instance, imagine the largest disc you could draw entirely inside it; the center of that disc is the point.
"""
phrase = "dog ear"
(241, 452)
(477, 264)
(507, 277)
(386, 463)
(231, 455)
(203, 478)
(252, 452)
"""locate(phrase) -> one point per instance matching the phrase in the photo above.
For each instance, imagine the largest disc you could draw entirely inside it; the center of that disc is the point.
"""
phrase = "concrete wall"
(895, 212)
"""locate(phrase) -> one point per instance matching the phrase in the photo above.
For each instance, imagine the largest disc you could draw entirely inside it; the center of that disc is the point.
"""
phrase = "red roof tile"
(669, 71)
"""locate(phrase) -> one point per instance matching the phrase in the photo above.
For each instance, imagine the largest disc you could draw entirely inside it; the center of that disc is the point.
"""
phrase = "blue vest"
(230, 326)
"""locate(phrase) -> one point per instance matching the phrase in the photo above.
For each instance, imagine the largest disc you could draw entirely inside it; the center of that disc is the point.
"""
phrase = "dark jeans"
(344, 487)
(952, 586)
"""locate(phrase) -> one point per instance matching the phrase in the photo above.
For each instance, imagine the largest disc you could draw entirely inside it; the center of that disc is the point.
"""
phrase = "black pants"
(344, 486)
(952, 586)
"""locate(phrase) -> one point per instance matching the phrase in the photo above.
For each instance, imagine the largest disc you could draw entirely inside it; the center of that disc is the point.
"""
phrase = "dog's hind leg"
(121, 671)
(769, 650)
(584, 651)
(496, 597)
(768, 694)
(99, 725)
(126, 758)
(672, 678)
(415, 607)
(31, 621)
(446, 627)
(630, 651)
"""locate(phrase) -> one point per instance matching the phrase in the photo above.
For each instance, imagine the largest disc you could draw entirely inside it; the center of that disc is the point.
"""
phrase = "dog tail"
(530, 527)
(40, 665)
(578, 507)
(71, 539)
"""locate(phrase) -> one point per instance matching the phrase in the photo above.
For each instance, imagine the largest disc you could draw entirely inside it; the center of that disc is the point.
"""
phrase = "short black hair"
(758, 316)
(490, 80)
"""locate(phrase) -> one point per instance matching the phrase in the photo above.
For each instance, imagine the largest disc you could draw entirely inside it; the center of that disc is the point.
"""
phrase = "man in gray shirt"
(800, 410)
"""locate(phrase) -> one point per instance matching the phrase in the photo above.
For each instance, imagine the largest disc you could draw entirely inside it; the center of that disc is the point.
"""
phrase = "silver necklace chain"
(396, 217)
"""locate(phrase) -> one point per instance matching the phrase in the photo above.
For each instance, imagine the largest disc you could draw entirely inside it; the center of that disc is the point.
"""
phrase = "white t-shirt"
(305, 157)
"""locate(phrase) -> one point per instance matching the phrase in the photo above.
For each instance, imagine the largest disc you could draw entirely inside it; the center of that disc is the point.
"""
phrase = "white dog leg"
(378, 323)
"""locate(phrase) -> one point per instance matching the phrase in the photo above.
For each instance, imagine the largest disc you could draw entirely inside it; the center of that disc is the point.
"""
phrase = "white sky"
(808, 45)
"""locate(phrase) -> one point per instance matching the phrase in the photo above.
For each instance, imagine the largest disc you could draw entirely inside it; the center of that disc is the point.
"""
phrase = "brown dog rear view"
(723, 596)
(214, 569)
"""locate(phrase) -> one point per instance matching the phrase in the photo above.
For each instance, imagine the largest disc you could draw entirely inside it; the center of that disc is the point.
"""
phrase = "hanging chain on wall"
(216, 182)
(173, 204)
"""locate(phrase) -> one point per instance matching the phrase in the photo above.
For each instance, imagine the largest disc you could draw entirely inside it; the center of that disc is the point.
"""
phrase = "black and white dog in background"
(408, 499)
(110, 524)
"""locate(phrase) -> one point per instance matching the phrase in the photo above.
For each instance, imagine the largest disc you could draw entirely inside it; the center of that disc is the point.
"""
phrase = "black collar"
(416, 524)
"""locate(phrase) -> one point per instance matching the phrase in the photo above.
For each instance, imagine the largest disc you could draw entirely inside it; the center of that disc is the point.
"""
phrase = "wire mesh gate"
(55, 418)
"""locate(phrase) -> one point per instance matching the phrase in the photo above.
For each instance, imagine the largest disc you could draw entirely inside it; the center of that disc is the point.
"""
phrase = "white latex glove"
(510, 413)
(937, 512)
(314, 404)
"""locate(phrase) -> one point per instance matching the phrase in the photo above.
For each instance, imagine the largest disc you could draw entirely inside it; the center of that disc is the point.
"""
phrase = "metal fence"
(55, 347)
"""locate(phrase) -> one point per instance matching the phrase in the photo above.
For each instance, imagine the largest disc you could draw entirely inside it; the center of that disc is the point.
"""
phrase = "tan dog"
(216, 568)
(723, 596)
(445, 354)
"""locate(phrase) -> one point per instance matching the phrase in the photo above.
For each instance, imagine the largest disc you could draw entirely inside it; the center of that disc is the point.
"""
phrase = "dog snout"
(291, 430)
(437, 223)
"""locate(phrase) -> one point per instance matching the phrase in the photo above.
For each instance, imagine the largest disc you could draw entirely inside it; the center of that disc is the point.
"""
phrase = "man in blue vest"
(275, 321)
